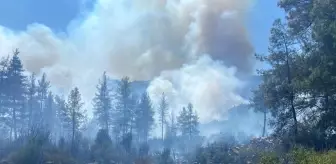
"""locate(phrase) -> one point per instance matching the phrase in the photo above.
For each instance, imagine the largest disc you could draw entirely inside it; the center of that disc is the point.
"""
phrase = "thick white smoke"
(159, 40)
(207, 84)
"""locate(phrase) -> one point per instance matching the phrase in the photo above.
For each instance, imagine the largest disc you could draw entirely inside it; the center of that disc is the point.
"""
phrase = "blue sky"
(56, 14)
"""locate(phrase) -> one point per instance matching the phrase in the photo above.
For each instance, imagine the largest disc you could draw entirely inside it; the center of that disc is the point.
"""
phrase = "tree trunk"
(107, 125)
(265, 120)
(291, 96)
(14, 124)
(73, 132)
(294, 118)
(162, 128)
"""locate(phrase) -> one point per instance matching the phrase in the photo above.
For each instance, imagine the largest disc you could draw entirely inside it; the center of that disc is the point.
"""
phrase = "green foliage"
(300, 156)
(269, 158)
(306, 156)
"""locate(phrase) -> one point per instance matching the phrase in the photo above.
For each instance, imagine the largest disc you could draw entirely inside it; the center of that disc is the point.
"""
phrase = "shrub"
(305, 156)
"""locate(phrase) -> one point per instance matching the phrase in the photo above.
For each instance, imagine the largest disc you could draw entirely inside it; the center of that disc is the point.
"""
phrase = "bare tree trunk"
(291, 97)
(162, 128)
(14, 124)
(265, 120)
(73, 132)
(11, 134)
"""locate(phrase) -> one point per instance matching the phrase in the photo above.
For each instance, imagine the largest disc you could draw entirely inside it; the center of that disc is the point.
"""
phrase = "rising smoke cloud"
(191, 49)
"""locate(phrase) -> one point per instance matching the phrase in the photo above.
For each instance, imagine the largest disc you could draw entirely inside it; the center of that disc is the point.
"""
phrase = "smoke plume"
(191, 49)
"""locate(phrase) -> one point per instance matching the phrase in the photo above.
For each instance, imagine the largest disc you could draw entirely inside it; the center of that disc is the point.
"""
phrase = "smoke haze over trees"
(169, 81)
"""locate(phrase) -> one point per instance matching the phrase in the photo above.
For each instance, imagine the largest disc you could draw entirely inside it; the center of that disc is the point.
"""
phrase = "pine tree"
(144, 117)
(162, 111)
(182, 120)
(102, 104)
(188, 122)
(16, 93)
(42, 91)
(282, 80)
(32, 101)
(171, 132)
(62, 115)
(124, 108)
(50, 112)
(4, 121)
(76, 115)
(194, 121)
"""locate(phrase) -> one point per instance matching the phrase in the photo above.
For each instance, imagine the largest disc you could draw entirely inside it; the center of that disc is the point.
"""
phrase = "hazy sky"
(178, 45)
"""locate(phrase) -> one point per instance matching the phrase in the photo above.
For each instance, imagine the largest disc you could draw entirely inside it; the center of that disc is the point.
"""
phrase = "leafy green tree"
(102, 104)
(312, 25)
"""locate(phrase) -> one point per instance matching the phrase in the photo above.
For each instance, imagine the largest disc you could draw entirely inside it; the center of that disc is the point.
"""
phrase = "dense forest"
(297, 97)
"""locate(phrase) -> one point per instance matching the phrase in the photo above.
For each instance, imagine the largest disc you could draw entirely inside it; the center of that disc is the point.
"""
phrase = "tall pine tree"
(102, 104)
(162, 111)
(50, 112)
(188, 122)
(62, 116)
(144, 117)
(4, 121)
(75, 113)
(32, 102)
(42, 92)
(124, 109)
(16, 94)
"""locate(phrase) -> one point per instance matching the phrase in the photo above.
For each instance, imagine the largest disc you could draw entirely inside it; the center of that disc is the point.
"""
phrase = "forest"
(297, 98)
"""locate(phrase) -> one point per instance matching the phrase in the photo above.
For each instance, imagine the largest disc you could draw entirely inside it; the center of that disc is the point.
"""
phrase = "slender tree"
(4, 99)
(124, 107)
(42, 92)
(188, 122)
(258, 104)
(16, 93)
(144, 117)
(62, 115)
(162, 111)
(281, 81)
(32, 101)
(75, 113)
(50, 112)
(102, 104)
